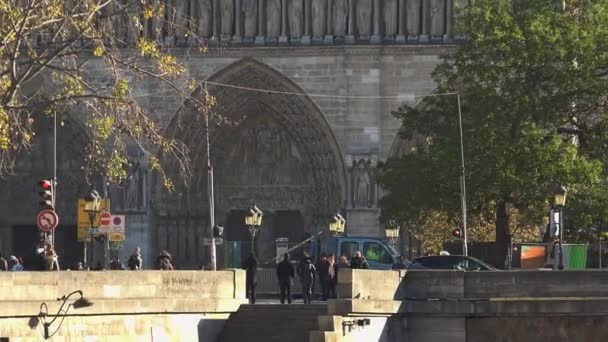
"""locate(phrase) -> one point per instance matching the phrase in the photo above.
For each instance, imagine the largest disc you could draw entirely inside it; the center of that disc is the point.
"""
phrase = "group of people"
(325, 273)
(46, 259)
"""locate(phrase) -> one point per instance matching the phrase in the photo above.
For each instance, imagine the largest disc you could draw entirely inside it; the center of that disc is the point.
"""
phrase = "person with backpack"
(285, 273)
(135, 260)
(163, 261)
(306, 272)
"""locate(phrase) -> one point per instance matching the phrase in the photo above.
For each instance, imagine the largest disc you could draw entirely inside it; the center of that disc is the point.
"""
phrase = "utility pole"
(54, 172)
(463, 187)
(210, 195)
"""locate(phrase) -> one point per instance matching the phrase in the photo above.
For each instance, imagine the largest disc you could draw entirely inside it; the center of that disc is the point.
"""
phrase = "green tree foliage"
(528, 71)
(47, 50)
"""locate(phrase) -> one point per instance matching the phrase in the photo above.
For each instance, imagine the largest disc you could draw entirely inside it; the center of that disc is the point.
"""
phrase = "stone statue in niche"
(364, 18)
(273, 19)
(204, 17)
(250, 16)
(295, 10)
(227, 17)
(133, 189)
(340, 14)
(318, 17)
(390, 17)
(362, 183)
(437, 17)
(413, 17)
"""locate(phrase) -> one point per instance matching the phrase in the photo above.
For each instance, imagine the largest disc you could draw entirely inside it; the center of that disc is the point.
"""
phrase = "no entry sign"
(47, 220)
(105, 218)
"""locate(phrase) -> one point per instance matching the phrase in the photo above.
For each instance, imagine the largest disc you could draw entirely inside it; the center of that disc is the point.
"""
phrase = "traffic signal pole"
(463, 188)
(54, 172)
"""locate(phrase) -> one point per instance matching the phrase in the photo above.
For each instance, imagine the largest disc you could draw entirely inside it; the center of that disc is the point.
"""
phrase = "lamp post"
(92, 204)
(337, 224)
(253, 220)
(44, 311)
(391, 232)
(560, 202)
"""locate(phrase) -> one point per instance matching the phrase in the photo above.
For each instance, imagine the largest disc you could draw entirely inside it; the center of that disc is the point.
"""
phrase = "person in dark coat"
(250, 265)
(116, 264)
(306, 272)
(285, 273)
(358, 261)
(324, 277)
(3, 264)
(163, 261)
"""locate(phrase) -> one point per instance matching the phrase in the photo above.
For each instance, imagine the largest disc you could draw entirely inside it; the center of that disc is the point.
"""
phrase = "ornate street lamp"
(44, 311)
(391, 232)
(560, 202)
(337, 224)
(92, 204)
(253, 220)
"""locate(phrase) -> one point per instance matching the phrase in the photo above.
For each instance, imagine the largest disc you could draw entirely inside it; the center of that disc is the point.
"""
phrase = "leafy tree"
(49, 51)
(532, 76)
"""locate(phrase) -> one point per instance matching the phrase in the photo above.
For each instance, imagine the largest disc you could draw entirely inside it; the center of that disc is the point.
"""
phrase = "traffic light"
(457, 233)
(47, 194)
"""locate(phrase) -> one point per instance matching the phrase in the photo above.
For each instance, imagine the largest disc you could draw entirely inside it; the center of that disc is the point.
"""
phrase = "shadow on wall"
(210, 329)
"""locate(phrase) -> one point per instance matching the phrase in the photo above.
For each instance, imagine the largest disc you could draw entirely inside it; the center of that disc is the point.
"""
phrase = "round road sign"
(104, 218)
(47, 220)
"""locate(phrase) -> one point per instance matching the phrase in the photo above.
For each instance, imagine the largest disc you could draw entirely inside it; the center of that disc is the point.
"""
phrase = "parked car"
(450, 262)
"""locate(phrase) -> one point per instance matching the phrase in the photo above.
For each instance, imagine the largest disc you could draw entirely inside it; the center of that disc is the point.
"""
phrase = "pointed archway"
(274, 148)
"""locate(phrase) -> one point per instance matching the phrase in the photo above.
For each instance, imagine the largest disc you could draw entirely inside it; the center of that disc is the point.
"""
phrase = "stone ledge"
(126, 306)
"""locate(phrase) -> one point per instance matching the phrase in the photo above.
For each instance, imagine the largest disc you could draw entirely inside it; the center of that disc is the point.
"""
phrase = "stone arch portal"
(276, 150)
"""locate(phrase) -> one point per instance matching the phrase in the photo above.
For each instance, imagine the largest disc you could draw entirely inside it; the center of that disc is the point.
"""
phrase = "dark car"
(450, 262)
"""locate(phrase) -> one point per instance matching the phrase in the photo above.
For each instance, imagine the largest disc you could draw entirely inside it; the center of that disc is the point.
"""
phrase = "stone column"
(181, 22)
(273, 21)
(203, 10)
(259, 39)
(329, 34)
(363, 19)
(215, 22)
(283, 40)
(226, 21)
(447, 37)
(391, 19)
(437, 20)
(350, 36)
(413, 19)
(339, 14)
(306, 36)
(424, 37)
(401, 22)
(377, 18)
(318, 12)
(250, 20)
(238, 19)
(295, 10)
(457, 7)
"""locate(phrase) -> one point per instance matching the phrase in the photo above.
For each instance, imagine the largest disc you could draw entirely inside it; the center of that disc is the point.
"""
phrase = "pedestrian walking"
(163, 261)
(358, 261)
(250, 265)
(116, 264)
(332, 277)
(285, 274)
(17, 265)
(3, 264)
(324, 277)
(51, 259)
(306, 272)
(135, 260)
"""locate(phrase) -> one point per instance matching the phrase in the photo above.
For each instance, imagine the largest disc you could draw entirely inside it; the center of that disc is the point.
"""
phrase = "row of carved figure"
(298, 21)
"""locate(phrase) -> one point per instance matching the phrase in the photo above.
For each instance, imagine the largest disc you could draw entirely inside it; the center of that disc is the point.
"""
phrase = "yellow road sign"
(84, 220)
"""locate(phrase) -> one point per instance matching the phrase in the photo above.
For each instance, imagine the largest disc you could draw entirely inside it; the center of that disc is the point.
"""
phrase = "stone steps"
(273, 322)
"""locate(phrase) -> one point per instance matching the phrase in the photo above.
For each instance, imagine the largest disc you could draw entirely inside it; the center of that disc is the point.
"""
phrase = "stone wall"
(467, 306)
(171, 306)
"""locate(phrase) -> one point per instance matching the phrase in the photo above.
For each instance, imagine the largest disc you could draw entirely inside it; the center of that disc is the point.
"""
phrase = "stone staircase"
(272, 322)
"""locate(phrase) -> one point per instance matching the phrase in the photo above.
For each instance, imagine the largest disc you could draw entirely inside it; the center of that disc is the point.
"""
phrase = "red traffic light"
(46, 184)
(456, 233)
